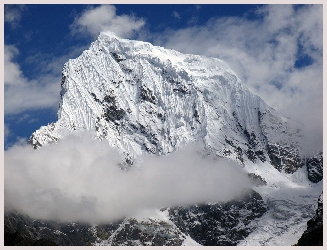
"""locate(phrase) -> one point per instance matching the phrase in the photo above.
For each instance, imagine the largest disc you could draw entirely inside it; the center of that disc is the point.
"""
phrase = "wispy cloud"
(6, 132)
(51, 63)
(20, 93)
(23, 118)
(265, 53)
(81, 181)
(12, 13)
(26, 118)
(42, 91)
(176, 14)
(104, 18)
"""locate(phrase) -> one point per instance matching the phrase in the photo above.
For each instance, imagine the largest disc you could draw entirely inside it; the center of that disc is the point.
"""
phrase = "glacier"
(145, 99)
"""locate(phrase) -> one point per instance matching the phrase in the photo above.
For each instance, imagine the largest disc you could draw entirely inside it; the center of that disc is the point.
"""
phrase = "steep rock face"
(23, 231)
(221, 224)
(150, 232)
(315, 168)
(313, 236)
(144, 98)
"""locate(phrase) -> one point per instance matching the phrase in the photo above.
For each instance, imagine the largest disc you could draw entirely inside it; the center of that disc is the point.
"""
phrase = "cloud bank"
(79, 179)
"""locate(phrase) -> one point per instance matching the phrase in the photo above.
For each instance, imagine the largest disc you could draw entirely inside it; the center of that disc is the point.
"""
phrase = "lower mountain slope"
(206, 224)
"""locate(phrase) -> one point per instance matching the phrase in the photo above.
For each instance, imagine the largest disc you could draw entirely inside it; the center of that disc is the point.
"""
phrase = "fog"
(79, 180)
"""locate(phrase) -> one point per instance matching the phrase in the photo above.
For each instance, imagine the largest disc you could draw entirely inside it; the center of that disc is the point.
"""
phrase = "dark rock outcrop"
(284, 158)
(313, 236)
(20, 230)
(147, 233)
(220, 224)
(315, 168)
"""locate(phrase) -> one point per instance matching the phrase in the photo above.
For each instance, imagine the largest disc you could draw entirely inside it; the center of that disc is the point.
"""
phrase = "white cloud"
(21, 94)
(79, 179)
(103, 18)
(13, 74)
(263, 53)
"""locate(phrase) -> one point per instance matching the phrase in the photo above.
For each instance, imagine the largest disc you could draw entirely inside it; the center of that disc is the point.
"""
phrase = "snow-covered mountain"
(142, 97)
(145, 99)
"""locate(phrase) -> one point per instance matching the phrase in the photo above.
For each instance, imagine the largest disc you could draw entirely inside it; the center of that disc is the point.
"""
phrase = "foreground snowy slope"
(291, 199)
(144, 98)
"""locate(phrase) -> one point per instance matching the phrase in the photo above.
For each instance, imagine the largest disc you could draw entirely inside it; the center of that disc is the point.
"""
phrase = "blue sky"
(276, 50)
